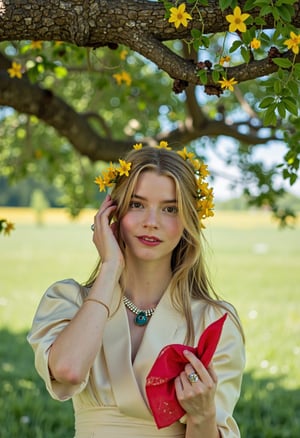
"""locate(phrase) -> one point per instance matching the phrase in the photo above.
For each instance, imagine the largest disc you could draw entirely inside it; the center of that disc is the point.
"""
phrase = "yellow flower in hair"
(205, 208)
(203, 170)
(203, 187)
(196, 164)
(185, 154)
(101, 183)
(164, 145)
(137, 146)
(108, 178)
(125, 168)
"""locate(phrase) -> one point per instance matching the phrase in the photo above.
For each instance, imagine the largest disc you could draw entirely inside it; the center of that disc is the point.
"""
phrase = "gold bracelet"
(99, 302)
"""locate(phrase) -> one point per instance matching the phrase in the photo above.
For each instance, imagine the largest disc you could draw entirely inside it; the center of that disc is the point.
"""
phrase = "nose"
(151, 218)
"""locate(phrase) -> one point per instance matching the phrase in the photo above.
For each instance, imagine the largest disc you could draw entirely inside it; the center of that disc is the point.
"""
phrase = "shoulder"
(63, 292)
(205, 313)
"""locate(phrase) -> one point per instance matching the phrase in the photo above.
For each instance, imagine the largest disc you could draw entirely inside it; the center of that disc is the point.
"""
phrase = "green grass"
(254, 267)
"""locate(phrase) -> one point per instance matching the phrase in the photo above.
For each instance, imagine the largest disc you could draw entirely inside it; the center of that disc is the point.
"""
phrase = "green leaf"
(265, 10)
(281, 109)
(293, 178)
(224, 4)
(270, 116)
(277, 87)
(248, 5)
(266, 102)
(215, 76)
(202, 74)
(196, 33)
(205, 41)
(259, 21)
(245, 54)
(247, 37)
(293, 87)
(235, 45)
(297, 69)
(285, 13)
(282, 62)
(291, 105)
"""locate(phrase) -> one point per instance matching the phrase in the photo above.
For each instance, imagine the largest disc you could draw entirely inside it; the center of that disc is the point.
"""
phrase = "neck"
(145, 287)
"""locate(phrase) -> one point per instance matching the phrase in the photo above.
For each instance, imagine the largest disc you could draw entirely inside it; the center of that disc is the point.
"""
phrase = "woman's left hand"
(197, 398)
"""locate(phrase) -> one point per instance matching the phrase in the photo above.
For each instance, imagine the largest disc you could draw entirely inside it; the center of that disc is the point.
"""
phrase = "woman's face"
(152, 227)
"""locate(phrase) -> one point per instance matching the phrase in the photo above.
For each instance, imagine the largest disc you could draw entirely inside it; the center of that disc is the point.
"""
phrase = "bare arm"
(74, 350)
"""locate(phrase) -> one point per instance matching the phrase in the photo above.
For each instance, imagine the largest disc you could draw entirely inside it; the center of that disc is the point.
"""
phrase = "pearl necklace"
(142, 316)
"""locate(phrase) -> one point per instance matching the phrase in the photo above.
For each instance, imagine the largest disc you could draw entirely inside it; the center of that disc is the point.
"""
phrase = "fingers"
(104, 214)
(206, 375)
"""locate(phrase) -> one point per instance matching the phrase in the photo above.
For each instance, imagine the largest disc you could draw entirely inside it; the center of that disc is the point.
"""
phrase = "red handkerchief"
(170, 362)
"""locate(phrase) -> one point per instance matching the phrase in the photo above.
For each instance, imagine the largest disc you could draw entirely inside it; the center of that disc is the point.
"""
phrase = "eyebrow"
(166, 201)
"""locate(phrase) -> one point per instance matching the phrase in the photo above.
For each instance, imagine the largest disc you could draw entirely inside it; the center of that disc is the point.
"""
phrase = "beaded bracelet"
(99, 302)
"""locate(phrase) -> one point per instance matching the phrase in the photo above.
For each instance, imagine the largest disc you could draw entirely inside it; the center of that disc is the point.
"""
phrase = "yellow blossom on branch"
(179, 16)
(137, 146)
(236, 20)
(225, 59)
(227, 83)
(255, 44)
(123, 54)
(6, 227)
(15, 70)
(123, 77)
(293, 42)
(36, 44)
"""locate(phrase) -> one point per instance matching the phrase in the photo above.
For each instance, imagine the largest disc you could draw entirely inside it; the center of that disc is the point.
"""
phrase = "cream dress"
(111, 402)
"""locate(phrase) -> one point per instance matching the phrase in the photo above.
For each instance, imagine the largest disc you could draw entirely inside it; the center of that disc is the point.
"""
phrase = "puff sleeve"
(229, 364)
(58, 306)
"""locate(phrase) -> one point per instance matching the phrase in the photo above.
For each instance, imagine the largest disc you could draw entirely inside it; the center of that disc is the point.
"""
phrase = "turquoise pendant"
(141, 319)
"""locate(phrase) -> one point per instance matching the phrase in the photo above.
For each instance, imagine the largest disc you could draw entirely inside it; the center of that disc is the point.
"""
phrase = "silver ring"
(93, 227)
(193, 377)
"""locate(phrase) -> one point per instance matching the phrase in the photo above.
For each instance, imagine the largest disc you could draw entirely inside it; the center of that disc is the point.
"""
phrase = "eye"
(171, 209)
(135, 204)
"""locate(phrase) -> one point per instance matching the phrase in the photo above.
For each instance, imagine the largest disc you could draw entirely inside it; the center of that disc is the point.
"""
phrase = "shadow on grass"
(265, 410)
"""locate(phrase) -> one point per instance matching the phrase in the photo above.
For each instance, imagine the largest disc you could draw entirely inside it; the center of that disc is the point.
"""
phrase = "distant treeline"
(27, 192)
(22, 193)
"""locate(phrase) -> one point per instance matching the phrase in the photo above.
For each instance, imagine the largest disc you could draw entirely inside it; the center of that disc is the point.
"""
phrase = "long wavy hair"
(189, 272)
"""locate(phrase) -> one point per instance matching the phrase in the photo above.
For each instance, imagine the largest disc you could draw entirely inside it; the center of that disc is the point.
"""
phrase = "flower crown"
(204, 194)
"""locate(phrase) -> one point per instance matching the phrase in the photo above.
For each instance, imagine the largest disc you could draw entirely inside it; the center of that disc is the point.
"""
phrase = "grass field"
(253, 265)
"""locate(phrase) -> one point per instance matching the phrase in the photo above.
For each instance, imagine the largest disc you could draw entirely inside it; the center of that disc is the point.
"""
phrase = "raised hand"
(104, 236)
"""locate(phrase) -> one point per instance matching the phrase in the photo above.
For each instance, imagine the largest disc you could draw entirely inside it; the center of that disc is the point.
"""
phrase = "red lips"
(149, 240)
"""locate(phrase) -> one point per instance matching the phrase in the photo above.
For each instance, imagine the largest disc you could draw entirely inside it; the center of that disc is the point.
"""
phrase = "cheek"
(126, 224)
(175, 229)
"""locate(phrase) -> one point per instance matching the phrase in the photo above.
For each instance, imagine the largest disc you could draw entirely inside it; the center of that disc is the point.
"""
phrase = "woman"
(97, 343)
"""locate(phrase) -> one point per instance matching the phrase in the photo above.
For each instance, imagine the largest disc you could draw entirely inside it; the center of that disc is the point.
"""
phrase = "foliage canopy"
(80, 83)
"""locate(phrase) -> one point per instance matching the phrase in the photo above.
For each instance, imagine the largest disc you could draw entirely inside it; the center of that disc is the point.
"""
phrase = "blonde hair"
(189, 273)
